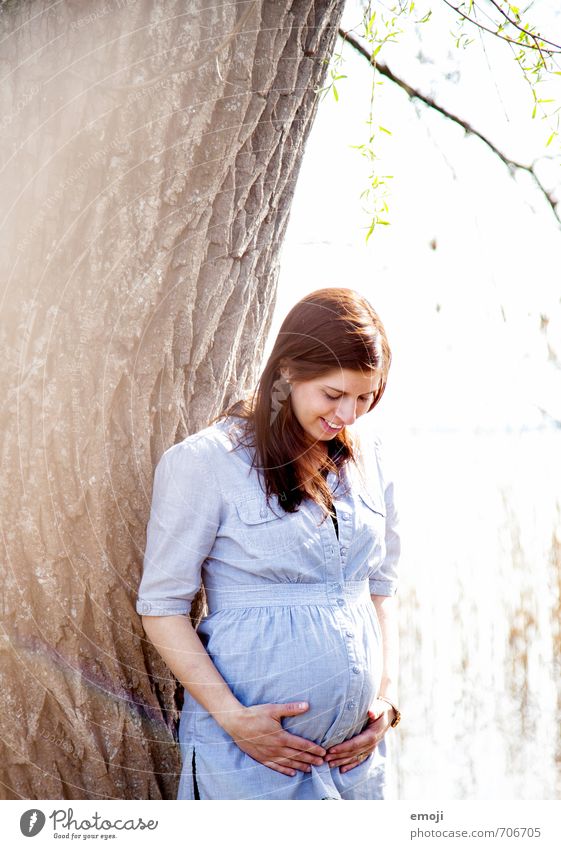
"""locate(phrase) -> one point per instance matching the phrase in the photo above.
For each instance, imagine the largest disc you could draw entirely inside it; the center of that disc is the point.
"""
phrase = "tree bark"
(149, 161)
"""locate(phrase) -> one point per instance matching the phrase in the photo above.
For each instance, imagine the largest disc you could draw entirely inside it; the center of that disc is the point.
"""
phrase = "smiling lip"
(328, 427)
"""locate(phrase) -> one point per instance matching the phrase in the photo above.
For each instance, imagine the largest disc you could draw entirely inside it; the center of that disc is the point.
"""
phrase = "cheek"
(309, 404)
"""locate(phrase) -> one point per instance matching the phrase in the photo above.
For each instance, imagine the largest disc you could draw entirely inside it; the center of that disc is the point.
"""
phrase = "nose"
(346, 411)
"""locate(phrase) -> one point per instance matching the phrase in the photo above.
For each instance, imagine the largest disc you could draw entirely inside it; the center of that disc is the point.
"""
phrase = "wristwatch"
(397, 718)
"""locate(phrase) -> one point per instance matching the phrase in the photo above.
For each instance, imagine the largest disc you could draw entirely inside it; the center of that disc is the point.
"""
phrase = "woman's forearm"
(386, 608)
(180, 646)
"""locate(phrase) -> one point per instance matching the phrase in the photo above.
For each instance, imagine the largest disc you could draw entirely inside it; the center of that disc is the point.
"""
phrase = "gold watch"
(397, 718)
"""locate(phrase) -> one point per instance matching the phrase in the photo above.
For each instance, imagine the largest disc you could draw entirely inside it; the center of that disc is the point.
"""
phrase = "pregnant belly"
(329, 659)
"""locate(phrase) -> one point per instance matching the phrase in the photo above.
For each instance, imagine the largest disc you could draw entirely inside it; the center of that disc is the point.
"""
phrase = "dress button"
(263, 513)
(349, 633)
(343, 551)
(356, 669)
(337, 588)
(341, 602)
(350, 705)
(345, 516)
(145, 607)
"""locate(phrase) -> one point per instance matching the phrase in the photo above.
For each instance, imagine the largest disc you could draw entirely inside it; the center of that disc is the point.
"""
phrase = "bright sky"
(470, 261)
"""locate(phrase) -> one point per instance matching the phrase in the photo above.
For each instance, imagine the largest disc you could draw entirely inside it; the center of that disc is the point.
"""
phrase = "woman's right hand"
(257, 731)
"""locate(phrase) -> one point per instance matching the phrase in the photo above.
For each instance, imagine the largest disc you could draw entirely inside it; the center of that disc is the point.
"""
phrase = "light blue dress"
(290, 613)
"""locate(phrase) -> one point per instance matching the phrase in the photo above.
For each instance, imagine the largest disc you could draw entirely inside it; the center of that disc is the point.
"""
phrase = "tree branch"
(512, 164)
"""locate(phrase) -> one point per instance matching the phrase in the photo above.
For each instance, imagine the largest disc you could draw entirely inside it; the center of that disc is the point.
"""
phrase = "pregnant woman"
(290, 525)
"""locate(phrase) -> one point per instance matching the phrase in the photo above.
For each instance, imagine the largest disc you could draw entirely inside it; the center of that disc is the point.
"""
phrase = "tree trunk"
(150, 157)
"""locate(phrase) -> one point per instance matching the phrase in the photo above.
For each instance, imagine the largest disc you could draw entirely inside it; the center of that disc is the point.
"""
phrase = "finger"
(367, 739)
(290, 709)
(355, 760)
(278, 768)
(292, 763)
(300, 757)
(302, 745)
(347, 768)
(345, 762)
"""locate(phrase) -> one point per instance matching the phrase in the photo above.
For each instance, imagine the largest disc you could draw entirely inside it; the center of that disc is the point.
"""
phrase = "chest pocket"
(264, 530)
(371, 516)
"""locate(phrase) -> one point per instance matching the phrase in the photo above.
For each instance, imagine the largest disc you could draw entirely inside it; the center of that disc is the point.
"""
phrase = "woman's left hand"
(352, 752)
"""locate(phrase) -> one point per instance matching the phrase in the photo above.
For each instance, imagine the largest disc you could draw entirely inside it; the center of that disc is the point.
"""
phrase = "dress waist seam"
(326, 594)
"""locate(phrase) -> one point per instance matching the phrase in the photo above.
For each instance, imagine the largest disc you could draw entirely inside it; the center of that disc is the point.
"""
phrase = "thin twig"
(521, 28)
(548, 50)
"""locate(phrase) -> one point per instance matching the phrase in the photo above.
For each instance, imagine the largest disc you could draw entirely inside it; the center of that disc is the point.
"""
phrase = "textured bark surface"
(149, 157)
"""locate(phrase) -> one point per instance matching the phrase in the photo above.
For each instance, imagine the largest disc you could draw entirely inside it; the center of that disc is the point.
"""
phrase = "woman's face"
(324, 405)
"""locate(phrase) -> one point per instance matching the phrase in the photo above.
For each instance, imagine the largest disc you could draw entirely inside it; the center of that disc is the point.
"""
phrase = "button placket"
(343, 505)
(336, 551)
(355, 671)
(355, 675)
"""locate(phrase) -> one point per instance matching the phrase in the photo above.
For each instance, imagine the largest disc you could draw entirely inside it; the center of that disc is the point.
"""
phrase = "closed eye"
(336, 397)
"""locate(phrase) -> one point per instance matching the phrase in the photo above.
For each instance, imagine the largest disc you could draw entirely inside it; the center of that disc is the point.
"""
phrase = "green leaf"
(384, 130)
(550, 139)
(370, 24)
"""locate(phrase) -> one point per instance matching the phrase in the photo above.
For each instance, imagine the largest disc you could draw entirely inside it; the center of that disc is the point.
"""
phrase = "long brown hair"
(329, 328)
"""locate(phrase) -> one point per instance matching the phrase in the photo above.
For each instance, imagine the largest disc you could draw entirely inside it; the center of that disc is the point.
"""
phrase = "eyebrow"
(333, 389)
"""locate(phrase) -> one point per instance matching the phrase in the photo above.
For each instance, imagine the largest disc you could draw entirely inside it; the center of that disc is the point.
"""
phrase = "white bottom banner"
(271, 824)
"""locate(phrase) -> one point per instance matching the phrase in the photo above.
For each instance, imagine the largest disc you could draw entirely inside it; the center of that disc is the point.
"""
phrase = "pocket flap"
(255, 511)
(374, 502)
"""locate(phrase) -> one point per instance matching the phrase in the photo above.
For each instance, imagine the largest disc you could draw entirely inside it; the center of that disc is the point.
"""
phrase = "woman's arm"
(256, 729)
(179, 645)
(387, 610)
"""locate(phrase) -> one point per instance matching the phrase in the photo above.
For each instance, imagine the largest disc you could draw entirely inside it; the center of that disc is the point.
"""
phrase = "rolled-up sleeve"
(184, 519)
(384, 580)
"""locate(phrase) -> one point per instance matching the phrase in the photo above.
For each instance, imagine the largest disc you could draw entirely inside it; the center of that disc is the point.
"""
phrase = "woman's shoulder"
(367, 445)
(220, 437)
(368, 449)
